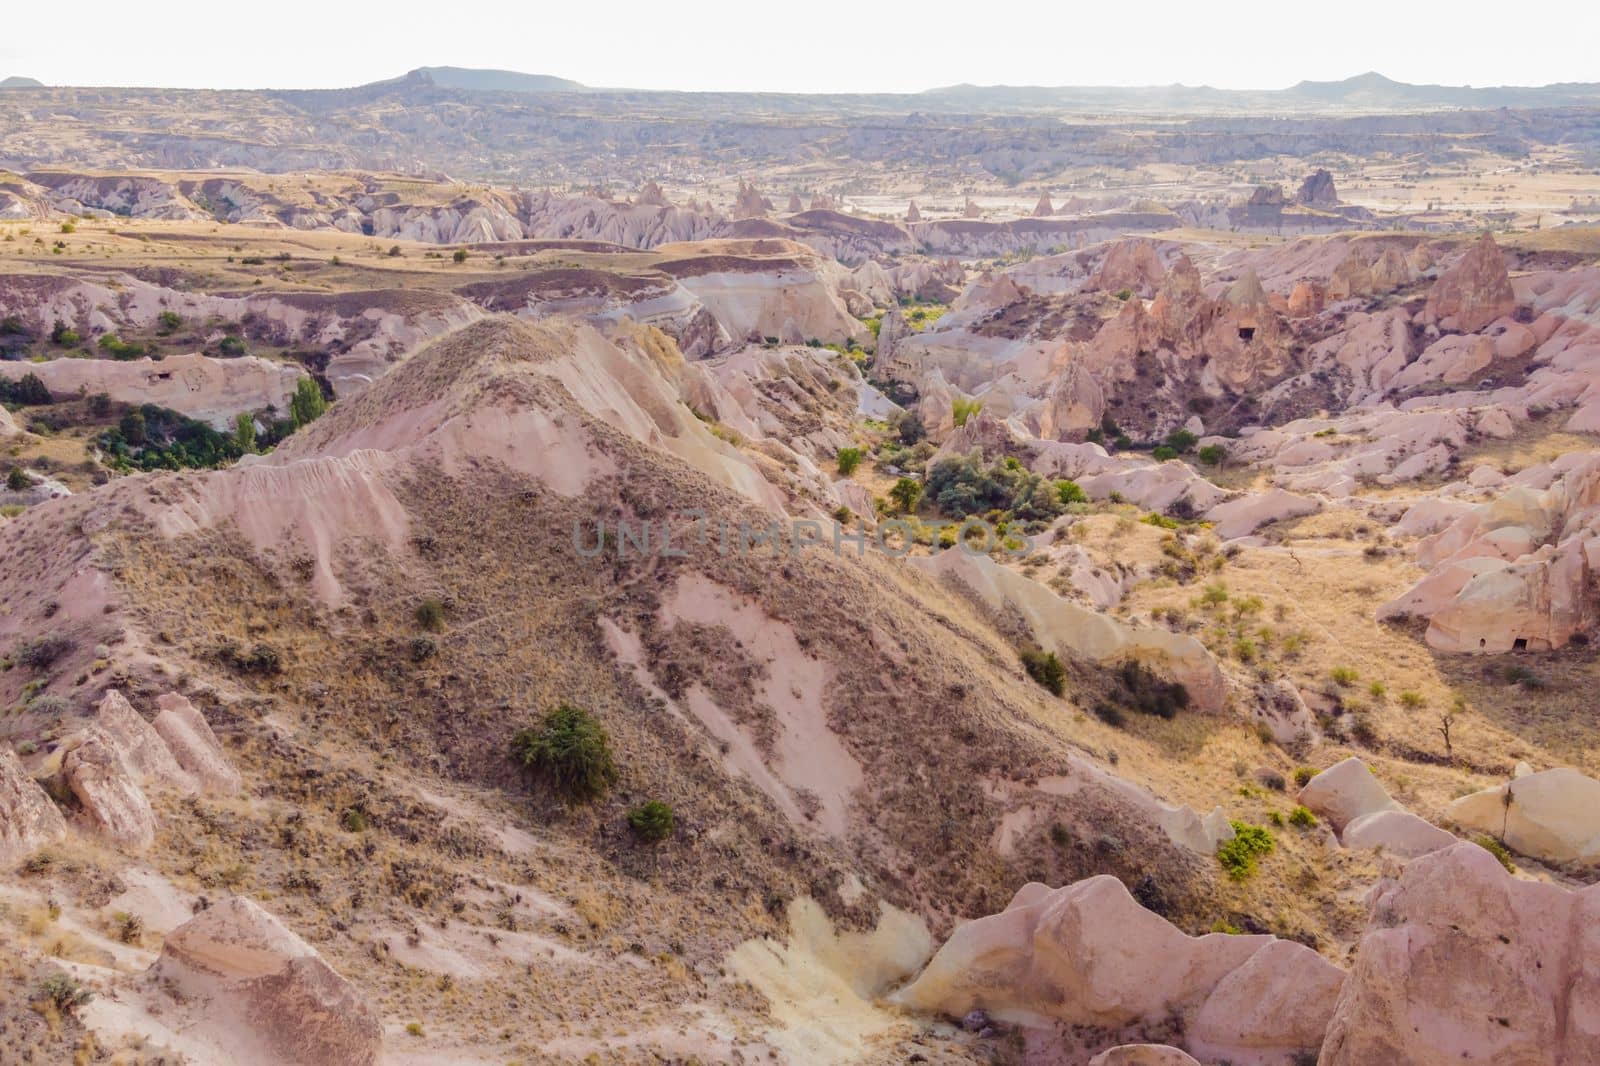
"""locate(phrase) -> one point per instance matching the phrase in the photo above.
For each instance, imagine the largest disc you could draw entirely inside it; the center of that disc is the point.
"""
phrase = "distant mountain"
(15, 82)
(500, 81)
(1364, 92)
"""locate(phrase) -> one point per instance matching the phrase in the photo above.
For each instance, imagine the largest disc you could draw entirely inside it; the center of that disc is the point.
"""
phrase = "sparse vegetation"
(652, 821)
(1046, 669)
(849, 459)
(1240, 855)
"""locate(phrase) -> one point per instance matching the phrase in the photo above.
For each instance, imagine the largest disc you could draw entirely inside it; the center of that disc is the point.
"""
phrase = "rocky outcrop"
(194, 746)
(1043, 208)
(749, 203)
(28, 820)
(1472, 293)
(1088, 955)
(1317, 190)
(1553, 815)
(652, 196)
(262, 996)
(207, 389)
(1247, 513)
(912, 214)
(94, 770)
(1462, 963)
(1133, 265)
(1345, 792)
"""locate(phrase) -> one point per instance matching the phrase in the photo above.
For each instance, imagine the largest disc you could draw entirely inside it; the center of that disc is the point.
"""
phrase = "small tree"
(849, 459)
(460, 255)
(1070, 492)
(1046, 669)
(1212, 455)
(308, 403)
(907, 492)
(133, 428)
(244, 432)
(17, 480)
(570, 749)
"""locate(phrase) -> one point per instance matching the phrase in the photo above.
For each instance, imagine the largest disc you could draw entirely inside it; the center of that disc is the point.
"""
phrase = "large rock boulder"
(1088, 955)
(1463, 963)
(1553, 815)
(1344, 792)
(261, 995)
(192, 743)
(1247, 513)
(1317, 190)
(95, 771)
(1474, 292)
(28, 820)
(1143, 1055)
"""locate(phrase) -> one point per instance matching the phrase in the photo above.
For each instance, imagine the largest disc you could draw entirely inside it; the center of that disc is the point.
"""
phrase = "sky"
(805, 45)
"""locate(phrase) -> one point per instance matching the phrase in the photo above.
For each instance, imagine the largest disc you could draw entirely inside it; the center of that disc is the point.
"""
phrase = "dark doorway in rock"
(1247, 333)
(1520, 644)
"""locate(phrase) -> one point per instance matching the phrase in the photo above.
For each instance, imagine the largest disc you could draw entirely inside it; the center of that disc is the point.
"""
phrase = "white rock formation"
(28, 820)
(1553, 815)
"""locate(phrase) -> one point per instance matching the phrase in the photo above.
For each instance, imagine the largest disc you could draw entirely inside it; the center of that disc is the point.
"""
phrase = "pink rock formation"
(652, 196)
(1463, 963)
(912, 214)
(262, 995)
(1042, 209)
(1474, 292)
(94, 770)
(1087, 954)
(749, 203)
(28, 820)
(194, 746)
(795, 206)
(1143, 1055)
(970, 210)
(1132, 264)
(141, 747)
(1344, 792)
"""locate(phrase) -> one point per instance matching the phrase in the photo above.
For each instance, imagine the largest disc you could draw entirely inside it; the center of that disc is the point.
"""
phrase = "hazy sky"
(805, 45)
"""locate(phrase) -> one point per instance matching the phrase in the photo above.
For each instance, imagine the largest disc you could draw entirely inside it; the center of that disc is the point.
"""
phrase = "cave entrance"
(1247, 333)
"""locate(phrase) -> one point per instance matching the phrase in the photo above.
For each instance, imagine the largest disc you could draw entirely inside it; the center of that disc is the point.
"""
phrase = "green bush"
(965, 486)
(849, 459)
(1238, 856)
(571, 750)
(1163, 452)
(652, 821)
(63, 335)
(1046, 669)
(1069, 492)
(1343, 676)
(17, 480)
(1301, 818)
(1212, 455)
(170, 320)
(27, 391)
(1303, 775)
(64, 992)
(460, 255)
(907, 492)
(156, 438)
(1181, 440)
(232, 346)
(118, 348)
(962, 409)
(430, 615)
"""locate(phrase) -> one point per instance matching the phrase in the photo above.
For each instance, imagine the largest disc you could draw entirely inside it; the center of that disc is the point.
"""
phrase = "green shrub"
(1110, 714)
(1498, 850)
(1164, 452)
(1181, 440)
(1046, 669)
(966, 486)
(40, 653)
(906, 492)
(1144, 691)
(652, 821)
(1303, 775)
(1411, 700)
(1343, 676)
(1301, 818)
(18, 480)
(571, 750)
(64, 992)
(118, 348)
(1212, 455)
(170, 320)
(63, 335)
(460, 255)
(430, 615)
(849, 459)
(244, 432)
(232, 346)
(1069, 492)
(962, 409)
(353, 820)
(1238, 856)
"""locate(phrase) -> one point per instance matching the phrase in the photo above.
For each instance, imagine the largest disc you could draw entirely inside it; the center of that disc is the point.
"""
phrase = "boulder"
(94, 770)
(1463, 963)
(1472, 293)
(1344, 792)
(1245, 514)
(1087, 954)
(1399, 833)
(192, 743)
(1553, 815)
(28, 820)
(262, 995)
(143, 751)
(1143, 1055)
